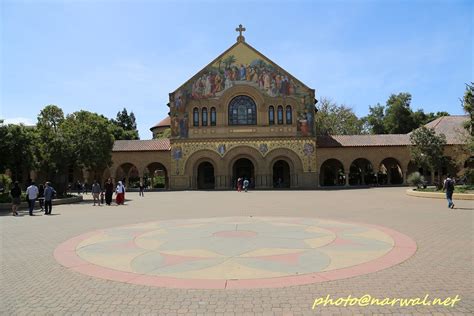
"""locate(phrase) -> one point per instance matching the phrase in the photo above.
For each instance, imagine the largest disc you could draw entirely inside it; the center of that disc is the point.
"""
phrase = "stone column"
(405, 176)
(33, 175)
(347, 178)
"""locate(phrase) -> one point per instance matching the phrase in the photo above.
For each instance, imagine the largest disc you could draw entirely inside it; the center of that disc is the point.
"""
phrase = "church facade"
(243, 116)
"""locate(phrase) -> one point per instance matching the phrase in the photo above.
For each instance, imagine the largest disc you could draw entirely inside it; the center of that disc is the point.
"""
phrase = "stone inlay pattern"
(235, 252)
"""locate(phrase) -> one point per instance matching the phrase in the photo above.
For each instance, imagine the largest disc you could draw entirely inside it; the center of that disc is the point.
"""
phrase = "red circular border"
(404, 247)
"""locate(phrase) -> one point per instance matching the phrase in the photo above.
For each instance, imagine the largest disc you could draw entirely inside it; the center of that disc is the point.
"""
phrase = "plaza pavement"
(32, 282)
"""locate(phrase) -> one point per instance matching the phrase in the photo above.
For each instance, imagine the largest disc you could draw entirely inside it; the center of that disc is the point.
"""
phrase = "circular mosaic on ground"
(235, 252)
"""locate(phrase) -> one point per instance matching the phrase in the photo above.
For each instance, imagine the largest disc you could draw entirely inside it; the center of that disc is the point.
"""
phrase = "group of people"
(44, 194)
(243, 183)
(98, 195)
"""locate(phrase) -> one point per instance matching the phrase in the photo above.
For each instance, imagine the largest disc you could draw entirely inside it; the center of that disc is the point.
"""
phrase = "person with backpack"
(49, 194)
(448, 185)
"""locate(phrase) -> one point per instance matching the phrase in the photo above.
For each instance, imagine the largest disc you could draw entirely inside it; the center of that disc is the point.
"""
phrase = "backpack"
(449, 185)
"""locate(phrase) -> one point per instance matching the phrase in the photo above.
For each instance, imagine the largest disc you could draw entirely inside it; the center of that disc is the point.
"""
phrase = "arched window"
(204, 117)
(288, 115)
(242, 111)
(271, 115)
(280, 114)
(195, 117)
(213, 116)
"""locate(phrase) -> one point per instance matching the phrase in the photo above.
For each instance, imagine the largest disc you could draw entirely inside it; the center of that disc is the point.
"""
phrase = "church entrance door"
(243, 168)
(281, 174)
(205, 176)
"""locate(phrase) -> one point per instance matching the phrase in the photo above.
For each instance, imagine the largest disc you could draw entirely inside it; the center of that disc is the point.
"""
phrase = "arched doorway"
(390, 172)
(205, 176)
(361, 172)
(128, 174)
(243, 168)
(332, 173)
(155, 176)
(281, 174)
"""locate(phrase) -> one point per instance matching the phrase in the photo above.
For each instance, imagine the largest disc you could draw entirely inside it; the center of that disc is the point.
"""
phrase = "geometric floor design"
(235, 252)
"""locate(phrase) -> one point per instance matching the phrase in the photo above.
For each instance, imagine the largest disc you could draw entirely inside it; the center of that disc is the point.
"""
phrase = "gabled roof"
(230, 49)
(166, 122)
(452, 127)
(162, 144)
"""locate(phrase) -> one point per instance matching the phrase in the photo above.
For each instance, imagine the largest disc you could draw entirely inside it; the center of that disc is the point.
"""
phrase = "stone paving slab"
(32, 282)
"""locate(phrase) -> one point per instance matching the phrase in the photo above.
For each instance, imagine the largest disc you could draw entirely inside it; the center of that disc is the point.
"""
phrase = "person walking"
(142, 189)
(32, 194)
(120, 191)
(448, 185)
(246, 185)
(15, 193)
(49, 193)
(95, 190)
(239, 184)
(41, 196)
(109, 191)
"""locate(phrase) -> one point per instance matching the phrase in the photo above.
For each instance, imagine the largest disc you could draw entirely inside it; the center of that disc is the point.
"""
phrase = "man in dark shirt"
(15, 193)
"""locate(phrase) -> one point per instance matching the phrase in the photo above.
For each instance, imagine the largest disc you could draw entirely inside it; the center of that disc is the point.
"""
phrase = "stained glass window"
(195, 117)
(204, 116)
(242, 111)
(271, 115)
(280, 114)
(213, 116)
(288, 115)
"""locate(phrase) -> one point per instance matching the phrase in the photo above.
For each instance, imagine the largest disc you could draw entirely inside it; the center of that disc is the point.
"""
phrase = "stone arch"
(128, 173)
(155, 174)
(246, 90)
(255, 158)
(361, 172)
(332, 173)
(390, 172)
(289, 156)
(205, 155)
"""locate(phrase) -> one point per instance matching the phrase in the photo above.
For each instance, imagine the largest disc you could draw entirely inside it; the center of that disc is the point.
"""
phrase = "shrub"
(416, 179)
(5, 183)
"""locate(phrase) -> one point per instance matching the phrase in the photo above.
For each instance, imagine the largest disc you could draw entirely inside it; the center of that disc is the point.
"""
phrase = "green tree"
(54, 151)
(91, 139)
(398, 115)
(427, 149)
(468, 107)
(164, 134)
(17, 150)
(374, 121)
(335, 119)
(126, 126)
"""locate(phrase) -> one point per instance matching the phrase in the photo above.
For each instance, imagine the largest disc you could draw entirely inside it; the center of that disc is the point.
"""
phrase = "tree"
(334, 119)
(166, 133)
(375, 120)
(427, 149)
(91, 139)
(54, 151)
(126, 126)
(468, 106)
(17, 149)
(398, 115)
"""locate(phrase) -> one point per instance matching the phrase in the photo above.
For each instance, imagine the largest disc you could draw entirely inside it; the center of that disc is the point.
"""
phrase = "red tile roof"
(451, 126)
(166, 122)
(363, 140)
(162, 144)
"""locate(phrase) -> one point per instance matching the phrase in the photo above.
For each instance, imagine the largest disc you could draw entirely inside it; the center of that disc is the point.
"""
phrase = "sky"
(104, 55)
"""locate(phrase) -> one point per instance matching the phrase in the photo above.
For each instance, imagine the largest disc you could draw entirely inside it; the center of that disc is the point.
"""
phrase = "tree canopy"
(335, 119)
(125, 126)
(427, 149)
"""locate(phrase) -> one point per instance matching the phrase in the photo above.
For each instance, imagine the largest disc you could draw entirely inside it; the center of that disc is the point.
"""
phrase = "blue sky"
(104, 55)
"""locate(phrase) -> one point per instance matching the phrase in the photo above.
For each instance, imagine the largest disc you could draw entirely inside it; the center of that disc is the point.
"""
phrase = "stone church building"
(244, 116)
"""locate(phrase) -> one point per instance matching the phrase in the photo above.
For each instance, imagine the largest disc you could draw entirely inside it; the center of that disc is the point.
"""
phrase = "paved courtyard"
(262, 252)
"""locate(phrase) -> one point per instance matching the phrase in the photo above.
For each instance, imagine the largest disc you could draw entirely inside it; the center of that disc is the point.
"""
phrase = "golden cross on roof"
(240, 29)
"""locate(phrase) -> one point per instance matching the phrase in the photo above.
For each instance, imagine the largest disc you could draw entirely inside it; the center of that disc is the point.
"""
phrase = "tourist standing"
(41, 196)
(109, 191)
(96, 192)
(448, 185)
(239, 184)
(120, 191)
(49, 193)
(32, 195)
(15, 193)
(142, 189)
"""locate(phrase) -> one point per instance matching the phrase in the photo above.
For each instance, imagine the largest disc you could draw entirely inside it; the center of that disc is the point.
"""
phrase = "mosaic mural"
(241, 66)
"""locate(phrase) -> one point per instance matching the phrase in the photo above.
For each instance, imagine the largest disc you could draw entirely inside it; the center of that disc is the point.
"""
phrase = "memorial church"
(244, 116)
